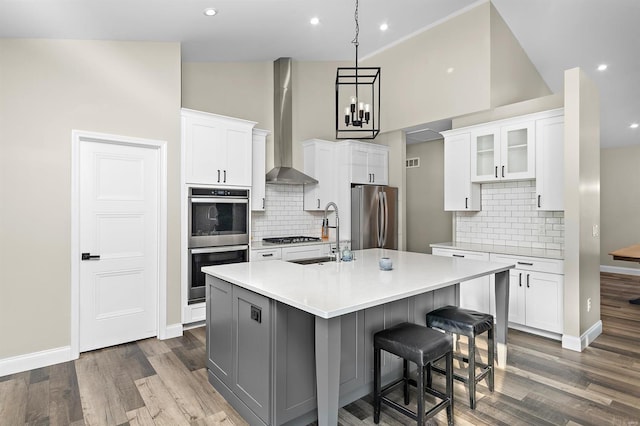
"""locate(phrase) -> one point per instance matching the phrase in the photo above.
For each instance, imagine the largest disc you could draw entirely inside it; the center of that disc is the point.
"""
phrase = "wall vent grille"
(413, 162)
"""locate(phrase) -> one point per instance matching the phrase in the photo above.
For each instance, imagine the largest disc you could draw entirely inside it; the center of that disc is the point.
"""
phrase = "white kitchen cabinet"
(366, 163)
(305, 251)
(258, 172)
(319, 163)
(550, 163)
(460, 194)
(259, 255)
(216, 149)
(503, 151)
(536, 292)
(474, 294)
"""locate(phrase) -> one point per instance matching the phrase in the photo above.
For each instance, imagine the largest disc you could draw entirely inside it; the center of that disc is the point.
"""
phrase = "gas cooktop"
(290, 240)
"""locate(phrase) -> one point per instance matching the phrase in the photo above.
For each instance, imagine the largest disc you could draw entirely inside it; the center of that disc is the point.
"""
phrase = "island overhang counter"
(329, 291)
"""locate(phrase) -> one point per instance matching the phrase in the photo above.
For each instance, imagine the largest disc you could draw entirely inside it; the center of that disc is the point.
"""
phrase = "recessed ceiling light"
(314, 21)
(384, 27)
(634, 126)
(450, 70)
(602, 67)
(210, 11)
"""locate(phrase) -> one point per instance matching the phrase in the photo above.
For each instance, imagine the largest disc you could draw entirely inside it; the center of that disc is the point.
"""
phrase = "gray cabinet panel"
(422, 305)
(352, 356)
(252, 339)
(219, 329)
(446, 296)
(295, 365)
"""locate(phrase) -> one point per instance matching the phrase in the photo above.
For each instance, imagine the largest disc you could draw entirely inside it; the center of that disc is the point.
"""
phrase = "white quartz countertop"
(332, 289)
(500, 249)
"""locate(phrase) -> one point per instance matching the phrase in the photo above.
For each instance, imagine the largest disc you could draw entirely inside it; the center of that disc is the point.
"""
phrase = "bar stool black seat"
(422, 346)
(455, 320)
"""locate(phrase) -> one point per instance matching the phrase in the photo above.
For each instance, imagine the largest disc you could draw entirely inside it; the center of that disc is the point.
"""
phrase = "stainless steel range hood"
(283, 173)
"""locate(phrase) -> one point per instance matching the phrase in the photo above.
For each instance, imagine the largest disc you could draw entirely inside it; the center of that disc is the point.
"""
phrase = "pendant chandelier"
(357, 98)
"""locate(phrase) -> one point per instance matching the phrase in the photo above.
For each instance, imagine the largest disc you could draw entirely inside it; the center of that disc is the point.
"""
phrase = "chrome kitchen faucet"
(325, 222)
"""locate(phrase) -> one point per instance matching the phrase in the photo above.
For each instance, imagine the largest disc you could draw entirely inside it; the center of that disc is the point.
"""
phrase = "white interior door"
(119, 196)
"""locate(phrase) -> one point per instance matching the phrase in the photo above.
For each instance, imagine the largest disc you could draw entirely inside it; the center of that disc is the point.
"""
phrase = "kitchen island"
(258, 337)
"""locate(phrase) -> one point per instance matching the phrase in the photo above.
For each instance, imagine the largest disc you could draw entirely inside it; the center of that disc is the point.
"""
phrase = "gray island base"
(288, 343)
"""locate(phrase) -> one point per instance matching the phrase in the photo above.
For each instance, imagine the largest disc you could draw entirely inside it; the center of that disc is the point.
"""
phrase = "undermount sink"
(312, 260)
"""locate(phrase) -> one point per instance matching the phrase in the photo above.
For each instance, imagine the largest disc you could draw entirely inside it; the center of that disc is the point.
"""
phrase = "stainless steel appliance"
(374, 218)
(290, 240)
(218, 233)
(218, 217)
(209, 256)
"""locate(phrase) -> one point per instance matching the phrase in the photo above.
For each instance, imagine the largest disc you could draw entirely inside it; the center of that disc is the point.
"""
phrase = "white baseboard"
(619, 270)
(170, 331)
(34, 360)
(578, 344)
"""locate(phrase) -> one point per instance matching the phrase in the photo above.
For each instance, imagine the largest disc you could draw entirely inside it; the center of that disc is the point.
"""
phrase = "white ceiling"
(556, 34)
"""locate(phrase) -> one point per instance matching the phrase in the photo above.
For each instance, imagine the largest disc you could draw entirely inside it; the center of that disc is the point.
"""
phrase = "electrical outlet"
(589, 305)
(596, 231)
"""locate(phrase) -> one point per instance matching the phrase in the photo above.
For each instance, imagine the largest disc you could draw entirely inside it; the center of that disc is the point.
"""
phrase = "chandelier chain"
(355, 39)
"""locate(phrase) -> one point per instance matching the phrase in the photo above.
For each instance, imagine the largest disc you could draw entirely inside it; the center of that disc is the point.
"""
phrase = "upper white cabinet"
(550, 163)
(320, 164)
(504, 151)
(258, 169)
(460, 194)
(367, 163)
(216, 149)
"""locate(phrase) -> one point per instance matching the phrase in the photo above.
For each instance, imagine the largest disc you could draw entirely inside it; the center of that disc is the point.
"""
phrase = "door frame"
(77, 138)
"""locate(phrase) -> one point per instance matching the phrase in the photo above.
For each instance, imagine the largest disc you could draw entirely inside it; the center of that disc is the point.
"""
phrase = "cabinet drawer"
(303, 252)
(474, 255)
(537, 264)
(266, 254)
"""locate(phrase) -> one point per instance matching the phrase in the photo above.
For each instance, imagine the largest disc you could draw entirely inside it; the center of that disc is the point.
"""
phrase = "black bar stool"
(422, 346)
(454, 320)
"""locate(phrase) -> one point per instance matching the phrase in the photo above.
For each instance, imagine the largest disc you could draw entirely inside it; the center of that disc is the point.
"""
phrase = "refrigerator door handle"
(386, 219)
(379, 218)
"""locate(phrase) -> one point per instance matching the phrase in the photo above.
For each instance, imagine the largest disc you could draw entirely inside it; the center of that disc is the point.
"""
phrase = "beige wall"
(620, 202)
(415, 85)
(48, 88)
(426, 218)
(582, 202)
(513, 77)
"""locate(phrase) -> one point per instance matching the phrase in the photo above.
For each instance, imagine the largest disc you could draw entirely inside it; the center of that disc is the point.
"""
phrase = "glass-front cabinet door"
(485, 154)
(518, 151)
(504, 152)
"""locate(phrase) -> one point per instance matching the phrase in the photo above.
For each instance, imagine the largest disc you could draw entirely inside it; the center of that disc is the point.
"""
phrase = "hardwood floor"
(153, 382)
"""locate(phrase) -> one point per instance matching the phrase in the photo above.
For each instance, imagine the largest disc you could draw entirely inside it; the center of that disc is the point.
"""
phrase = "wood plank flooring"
(153, 382)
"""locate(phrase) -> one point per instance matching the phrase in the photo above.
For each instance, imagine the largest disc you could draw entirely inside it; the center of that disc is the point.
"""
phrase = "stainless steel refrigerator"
(374, 217)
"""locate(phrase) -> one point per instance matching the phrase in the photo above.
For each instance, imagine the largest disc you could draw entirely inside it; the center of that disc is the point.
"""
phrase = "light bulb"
(366, 108)
(361, 106)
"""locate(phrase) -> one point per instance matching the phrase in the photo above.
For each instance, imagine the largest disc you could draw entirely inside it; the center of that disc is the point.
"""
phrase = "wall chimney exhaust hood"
(283, 173)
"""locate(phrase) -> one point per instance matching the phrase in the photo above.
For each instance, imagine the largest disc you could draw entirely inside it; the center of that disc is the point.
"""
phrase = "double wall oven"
(218, 232)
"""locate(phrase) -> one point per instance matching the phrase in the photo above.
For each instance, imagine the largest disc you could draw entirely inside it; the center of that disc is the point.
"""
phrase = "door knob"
(89, 256)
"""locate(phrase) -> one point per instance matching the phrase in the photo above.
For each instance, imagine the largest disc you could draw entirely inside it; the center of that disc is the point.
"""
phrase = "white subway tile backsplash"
(509, 217)
(284, 214)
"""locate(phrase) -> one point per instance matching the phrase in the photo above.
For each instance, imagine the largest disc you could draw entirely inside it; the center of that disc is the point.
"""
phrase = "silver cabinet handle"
(466, 203)
(318, 202)
(502, 171)
(527, 280)
(225, 177)
(496, 172)
(263, 202)
(539, 196)
(218, 175)
(267, 255)
(520, 279)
